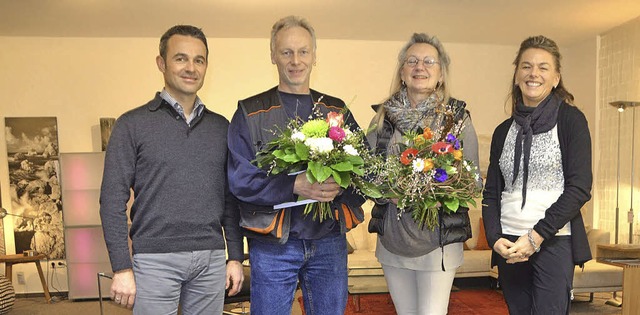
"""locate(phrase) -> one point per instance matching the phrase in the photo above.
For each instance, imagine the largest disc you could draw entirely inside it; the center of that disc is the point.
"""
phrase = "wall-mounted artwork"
(3, 249)
(106, 124)
(34, 168)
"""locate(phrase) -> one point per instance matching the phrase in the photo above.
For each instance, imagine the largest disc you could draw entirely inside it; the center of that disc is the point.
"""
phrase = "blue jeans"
(319, 265)
(195, 280)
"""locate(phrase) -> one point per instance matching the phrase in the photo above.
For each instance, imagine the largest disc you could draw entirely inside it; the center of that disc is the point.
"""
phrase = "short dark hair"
(186, 30)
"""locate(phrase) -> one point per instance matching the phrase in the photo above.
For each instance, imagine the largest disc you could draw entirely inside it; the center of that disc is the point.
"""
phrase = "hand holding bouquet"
(322, 148)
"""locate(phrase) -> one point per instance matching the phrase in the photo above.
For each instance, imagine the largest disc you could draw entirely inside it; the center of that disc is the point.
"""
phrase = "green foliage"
(429, 175)
(308, 147)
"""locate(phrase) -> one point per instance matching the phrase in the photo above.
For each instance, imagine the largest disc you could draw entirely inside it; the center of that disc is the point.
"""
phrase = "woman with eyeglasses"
(419, 263)
(539, 177)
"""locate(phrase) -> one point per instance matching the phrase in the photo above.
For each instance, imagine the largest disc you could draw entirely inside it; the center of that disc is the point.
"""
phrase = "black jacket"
(575, 147)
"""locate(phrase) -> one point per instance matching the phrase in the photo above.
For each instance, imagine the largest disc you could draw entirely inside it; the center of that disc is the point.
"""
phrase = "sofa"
(594, 277)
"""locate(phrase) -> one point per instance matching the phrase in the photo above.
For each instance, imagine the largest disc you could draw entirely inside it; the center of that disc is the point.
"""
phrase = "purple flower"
(440, 175)
(456, 144)
(450, 138)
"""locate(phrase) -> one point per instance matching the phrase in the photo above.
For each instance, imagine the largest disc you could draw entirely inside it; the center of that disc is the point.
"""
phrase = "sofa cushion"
(363, 258)
(482, 243)
(596, 275)
(476, 261)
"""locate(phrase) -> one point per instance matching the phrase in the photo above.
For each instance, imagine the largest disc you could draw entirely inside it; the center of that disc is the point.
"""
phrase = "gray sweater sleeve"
(117, 180)
(470, 142)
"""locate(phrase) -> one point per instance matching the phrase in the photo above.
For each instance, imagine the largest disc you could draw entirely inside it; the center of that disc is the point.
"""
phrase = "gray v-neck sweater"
(178, 175)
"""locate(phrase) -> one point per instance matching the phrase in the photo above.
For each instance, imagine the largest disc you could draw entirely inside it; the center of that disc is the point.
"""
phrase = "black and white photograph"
(34, 184)
(106, 124)
(3, 248)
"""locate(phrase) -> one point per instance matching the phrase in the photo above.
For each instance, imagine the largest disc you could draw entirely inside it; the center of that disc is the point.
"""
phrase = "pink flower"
(337, 134)
(335, 119)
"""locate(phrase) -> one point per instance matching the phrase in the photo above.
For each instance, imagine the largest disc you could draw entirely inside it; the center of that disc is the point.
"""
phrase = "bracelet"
(533, 243)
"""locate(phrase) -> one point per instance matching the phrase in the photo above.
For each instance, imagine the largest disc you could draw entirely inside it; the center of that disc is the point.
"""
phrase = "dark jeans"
(541, 285)
(319, 265)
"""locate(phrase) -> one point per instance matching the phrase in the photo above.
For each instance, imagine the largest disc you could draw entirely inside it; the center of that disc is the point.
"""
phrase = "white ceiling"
(505, 22)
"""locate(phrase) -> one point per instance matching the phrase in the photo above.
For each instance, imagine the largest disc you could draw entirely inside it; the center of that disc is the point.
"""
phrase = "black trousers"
(543, 285)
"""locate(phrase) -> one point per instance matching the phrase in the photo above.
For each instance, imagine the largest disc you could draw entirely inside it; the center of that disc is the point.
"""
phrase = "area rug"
(463, 302)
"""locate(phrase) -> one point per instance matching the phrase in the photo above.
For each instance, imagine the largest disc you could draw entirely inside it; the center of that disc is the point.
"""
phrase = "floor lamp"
(622, 106)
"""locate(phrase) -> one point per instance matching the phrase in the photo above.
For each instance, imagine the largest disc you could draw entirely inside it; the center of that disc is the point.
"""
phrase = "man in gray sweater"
(172, 153)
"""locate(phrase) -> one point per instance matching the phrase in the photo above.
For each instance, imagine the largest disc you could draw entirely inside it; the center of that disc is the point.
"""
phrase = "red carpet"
(477, 302)
(463, 302)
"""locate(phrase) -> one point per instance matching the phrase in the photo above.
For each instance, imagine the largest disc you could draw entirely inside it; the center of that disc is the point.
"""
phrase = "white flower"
(298, 136)
(319, 145)
(349, 149)
(347, 133)
(418, 165)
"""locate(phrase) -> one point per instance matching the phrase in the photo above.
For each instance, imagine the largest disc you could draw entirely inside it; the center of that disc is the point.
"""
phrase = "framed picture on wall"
(106, 124)
(3, 249)
(34, 185)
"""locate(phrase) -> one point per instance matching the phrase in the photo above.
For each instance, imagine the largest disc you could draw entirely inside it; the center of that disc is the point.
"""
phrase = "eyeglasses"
(428, 62)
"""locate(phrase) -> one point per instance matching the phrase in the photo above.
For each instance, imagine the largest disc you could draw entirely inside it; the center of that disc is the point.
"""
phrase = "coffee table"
(365, 280)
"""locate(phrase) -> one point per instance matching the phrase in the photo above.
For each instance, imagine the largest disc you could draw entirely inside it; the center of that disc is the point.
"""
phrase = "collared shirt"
(197, 108)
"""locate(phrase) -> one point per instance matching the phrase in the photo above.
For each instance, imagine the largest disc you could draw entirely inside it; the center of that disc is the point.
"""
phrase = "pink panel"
(81, 207)
(83, 281)
(86, 245)
(81, 170)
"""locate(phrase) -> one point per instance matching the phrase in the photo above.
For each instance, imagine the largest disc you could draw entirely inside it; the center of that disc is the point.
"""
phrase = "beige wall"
(580, 77)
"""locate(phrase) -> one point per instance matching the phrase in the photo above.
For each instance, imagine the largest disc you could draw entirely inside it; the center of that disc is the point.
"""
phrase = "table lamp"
(4, 213)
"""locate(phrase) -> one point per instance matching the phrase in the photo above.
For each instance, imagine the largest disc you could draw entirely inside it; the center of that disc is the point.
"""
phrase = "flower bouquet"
(430, 174)
(321, 148)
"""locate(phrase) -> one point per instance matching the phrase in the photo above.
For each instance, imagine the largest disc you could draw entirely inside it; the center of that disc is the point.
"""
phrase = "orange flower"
(428, 165)
(457, 154)
(427, 134)
(442, 148)
(419, 140)
(408, 155)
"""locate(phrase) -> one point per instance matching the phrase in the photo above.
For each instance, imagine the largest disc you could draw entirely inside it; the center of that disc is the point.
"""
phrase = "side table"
(10, 260)
(626, 256)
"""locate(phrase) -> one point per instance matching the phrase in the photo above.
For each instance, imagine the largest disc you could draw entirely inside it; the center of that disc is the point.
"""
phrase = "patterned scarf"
(406, 118)
(532, 121)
